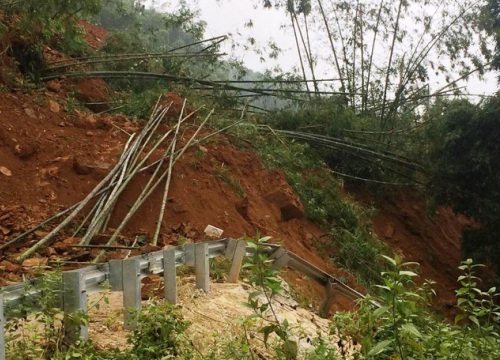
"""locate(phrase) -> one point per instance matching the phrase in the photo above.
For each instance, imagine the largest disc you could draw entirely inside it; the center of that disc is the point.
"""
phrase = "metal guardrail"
(125, 275)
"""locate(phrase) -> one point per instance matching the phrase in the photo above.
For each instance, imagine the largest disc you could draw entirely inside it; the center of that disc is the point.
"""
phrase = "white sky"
(229, 17)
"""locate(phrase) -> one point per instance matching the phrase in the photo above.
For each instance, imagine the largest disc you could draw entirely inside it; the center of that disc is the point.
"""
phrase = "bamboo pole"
(47, 239)
(145, 194)
(169, 177)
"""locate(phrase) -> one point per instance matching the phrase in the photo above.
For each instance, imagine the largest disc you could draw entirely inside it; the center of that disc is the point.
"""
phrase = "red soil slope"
(52, 155)
(434, 242)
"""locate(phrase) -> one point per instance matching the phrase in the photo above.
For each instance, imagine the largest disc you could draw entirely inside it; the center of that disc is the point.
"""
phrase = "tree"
(388, 55)
(492, 25)
(467, 172)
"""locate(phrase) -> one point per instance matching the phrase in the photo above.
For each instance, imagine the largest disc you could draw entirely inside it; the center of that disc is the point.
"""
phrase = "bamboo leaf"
(407, 273)
(390, 260)
(410, 328)
(380, 347)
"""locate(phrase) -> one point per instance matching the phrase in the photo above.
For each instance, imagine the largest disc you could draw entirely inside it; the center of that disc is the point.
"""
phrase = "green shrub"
(403, 326)
(159, 333)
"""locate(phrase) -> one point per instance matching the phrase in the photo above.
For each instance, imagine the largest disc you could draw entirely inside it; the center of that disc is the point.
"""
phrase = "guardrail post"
(115, 275)
(74, 300)
(2, 329)
(235, 251)
(281, 258)
(170, 275)
(202, 266)
(325, 307)
(189, 254)
(131, 292)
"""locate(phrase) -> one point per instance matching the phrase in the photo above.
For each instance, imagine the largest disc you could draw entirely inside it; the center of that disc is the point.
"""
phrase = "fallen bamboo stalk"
(141, 200)
(46, 240)
(122, 182)
(116, 247)
(132, 57)
(96, 221)
(94, 210)
(77, 205)
(169, 177)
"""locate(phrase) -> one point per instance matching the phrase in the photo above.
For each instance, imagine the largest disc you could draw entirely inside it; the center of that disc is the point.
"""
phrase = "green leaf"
(411, 263)
(410, 328)
(380, 347)
(384, 287)
(267, 330)
(474, 320)
(407, 273)
(390, 260)
(265, 239)
(380, 311)
(254, 294)
(459, 317)
(290, 349)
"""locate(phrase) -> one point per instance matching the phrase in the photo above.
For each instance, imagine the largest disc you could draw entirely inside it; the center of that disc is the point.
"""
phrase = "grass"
(352, 243)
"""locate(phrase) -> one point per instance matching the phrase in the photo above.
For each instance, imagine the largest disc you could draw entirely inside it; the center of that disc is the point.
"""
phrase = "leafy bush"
(354, 245)
(159, 333)
(33, 23)
(466, 174)
(403, 327)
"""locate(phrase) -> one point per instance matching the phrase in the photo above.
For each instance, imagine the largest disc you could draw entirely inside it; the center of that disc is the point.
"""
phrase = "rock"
(54, 106)
(81, 168)
(94, 93)
(5, 171)
(54, 86)
(242, 208)
(25, 151)
(30, 112)
(34, 262)
(9, 267)
(5, 231)
(288, 204)
(86, 122)
(213, 232)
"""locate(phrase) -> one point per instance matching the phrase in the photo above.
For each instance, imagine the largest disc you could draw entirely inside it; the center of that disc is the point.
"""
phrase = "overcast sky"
(230, 16)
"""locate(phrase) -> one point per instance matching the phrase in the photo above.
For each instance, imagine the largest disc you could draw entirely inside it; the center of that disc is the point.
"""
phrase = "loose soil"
(403, 221)
(54, 151)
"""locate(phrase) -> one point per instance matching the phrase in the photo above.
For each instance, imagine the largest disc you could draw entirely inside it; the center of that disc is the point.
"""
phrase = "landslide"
(53, 151)
(53, 155)
(434, 241)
